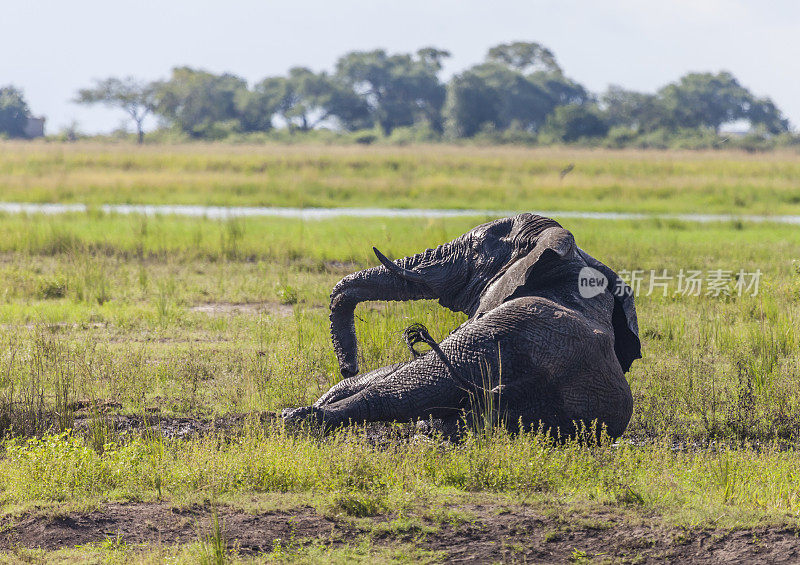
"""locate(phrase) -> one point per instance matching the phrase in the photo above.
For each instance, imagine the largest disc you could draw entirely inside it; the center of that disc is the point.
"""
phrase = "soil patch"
(186, 427)
(492, 533)
(88, 417)
(173, 427)
(522, 535)
(220, 309)
(137, 523)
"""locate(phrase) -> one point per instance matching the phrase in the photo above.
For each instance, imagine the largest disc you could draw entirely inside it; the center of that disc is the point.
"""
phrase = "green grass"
(362, 551)
(733, 485)
(103, 288)
(172, 316)
(90, 286)
(440, 176)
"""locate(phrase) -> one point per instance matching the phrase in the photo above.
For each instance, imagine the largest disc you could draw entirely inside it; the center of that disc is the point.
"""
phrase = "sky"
(51, 48)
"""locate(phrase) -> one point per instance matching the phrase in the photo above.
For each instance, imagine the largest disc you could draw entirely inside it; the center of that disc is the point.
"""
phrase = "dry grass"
(437, 176)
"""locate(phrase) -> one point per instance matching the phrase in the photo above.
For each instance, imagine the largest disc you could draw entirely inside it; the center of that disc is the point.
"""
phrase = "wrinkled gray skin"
(546, 355)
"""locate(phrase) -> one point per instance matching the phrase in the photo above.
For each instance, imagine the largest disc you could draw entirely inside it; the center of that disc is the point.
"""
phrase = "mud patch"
(522, 535)
(172, 427)
(56, 327)
(187, 427)
(138, 523)
(88, 418)
(221, 309)
(342, 267)
(490, 534)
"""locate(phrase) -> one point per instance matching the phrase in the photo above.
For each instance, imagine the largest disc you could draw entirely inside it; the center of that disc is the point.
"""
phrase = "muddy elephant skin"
(542, 349)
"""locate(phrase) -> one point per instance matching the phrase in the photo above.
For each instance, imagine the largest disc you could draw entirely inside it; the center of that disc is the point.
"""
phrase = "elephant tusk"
(407, 274)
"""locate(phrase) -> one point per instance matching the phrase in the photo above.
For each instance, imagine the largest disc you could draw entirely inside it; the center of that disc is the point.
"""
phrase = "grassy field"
(204, 328)
(417, 176)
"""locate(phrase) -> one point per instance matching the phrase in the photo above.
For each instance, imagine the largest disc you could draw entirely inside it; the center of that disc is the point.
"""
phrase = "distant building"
(34, 127)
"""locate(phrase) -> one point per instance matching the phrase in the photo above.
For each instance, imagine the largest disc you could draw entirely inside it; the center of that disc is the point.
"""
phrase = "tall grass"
(430, 176)
(215, 544)
(733, 483)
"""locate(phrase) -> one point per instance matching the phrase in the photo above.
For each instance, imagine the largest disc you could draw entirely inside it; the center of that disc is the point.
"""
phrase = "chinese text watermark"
(685, 282)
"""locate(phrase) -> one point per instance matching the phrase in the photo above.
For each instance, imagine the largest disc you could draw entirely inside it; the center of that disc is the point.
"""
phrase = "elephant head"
(476, 272)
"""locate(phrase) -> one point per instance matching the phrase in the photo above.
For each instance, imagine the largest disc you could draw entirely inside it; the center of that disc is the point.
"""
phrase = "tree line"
(518, 92)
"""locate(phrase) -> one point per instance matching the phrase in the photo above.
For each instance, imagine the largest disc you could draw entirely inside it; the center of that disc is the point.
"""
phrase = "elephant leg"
(422, 388)
(485, 368)
(352, 385)
(340, 391)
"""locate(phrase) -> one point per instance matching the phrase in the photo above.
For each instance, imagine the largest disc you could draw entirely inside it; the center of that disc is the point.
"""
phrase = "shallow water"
(222, 212)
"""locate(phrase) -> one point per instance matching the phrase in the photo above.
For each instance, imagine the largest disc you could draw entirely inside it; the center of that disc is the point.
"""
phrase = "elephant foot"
(296, 415)
(314, 417)
(450, 429)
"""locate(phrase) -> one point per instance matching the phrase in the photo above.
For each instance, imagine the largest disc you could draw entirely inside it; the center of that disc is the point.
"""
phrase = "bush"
(517, 136)
(787, 140)
(695, 139)
(52, 288)
(418, 133)
(619, 137)
(359, 504)
(364, 136)
(753, 142)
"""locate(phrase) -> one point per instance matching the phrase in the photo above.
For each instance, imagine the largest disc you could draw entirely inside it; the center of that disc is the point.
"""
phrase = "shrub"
(51, 288)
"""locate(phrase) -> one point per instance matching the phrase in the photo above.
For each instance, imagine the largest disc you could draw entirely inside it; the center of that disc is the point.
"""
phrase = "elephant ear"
(626, 327)
(553, 246)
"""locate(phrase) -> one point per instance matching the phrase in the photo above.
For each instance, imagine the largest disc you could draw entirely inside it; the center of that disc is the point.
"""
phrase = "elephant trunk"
(377, 283)
(431, 274)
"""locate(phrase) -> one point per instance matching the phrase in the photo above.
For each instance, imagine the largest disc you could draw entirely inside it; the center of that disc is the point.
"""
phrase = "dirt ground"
(491, 534)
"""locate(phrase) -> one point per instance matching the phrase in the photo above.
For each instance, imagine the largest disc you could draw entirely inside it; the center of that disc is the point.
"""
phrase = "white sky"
(50, 48)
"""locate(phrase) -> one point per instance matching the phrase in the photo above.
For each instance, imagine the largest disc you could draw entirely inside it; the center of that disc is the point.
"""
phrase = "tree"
(305, 100)
(135, 97)
(524, 57)
(522, 102)
(313, 98)
(635, 110)
(705, 100)
(696, 100)
(14, 112)
(255, 108)
(763, 112)
(471, 103)
(201, 103)
(432, 57)
(710, 100)
(399, 90)
(560, 89)
(573, 122)
(350, 110)
(307, 96)
(496, 95)
(499, 94)
(269, 97)
(539, 65)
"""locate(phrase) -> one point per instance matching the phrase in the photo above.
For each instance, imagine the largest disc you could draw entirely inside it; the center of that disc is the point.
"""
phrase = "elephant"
(545, 351)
